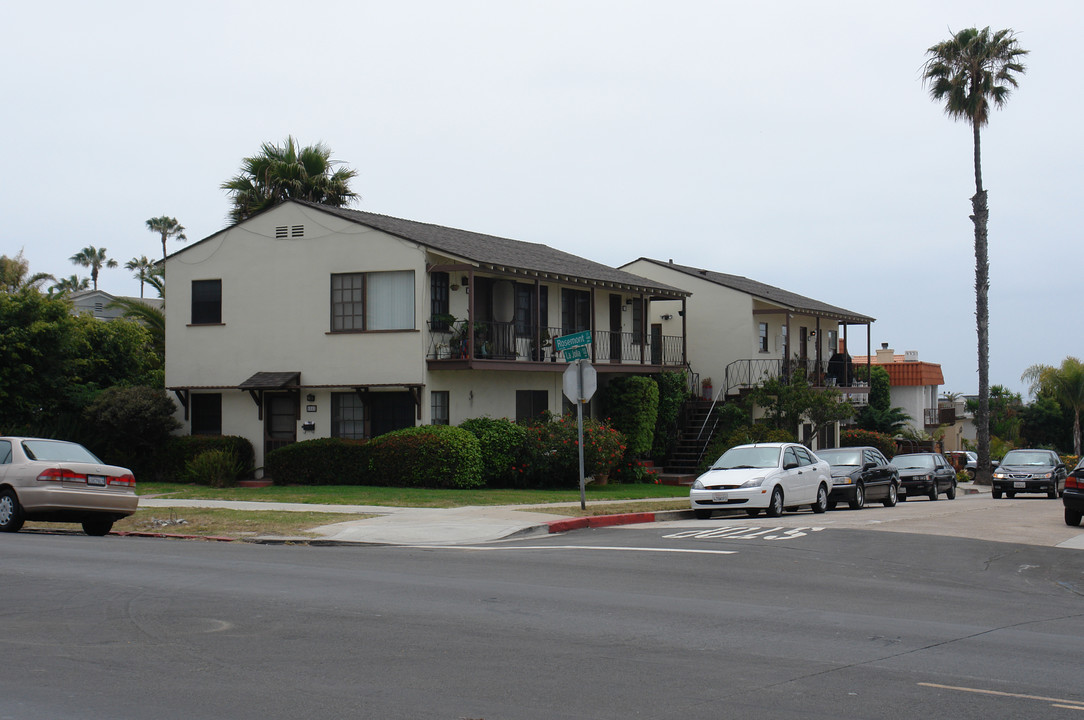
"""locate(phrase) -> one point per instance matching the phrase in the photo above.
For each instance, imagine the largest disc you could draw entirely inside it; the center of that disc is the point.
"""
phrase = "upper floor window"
(575, 310)
(206, 302)
(372, 301)
(763, 337)
(438, 302)
(525, 308)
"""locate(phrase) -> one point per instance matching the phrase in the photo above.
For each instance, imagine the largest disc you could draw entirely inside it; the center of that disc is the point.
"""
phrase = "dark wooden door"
(279, 420)
(615, 328)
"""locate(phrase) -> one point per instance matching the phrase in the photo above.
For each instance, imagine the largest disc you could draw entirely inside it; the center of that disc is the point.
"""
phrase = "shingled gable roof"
(497, 253)
(768, 293)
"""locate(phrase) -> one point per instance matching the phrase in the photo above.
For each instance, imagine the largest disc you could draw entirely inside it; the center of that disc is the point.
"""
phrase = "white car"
(763, 476)
(58, 481)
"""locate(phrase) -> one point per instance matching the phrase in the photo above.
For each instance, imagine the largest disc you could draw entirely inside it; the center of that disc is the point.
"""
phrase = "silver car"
(58, 481)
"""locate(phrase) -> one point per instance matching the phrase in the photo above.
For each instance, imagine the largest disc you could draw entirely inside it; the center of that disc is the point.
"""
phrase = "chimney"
(885, 354)
(910, 355)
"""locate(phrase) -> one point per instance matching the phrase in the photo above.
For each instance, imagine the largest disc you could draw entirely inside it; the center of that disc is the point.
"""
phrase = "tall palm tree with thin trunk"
(142, 267)
(1065, 384)
(280, 173)
(968, 73)
(95, 259)
(167, 227)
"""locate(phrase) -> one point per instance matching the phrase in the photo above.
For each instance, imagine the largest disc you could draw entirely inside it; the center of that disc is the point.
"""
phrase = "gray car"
(59, 481)
(926, 473)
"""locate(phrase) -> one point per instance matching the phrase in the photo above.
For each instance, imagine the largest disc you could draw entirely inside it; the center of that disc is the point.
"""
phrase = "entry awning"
(272, 381)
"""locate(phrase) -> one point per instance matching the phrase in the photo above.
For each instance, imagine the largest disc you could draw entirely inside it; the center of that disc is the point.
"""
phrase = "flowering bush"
(858, 438)
(552, 452)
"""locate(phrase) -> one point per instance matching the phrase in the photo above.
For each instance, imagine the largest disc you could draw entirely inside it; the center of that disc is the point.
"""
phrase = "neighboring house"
(959, 423)
(97, 302)
(915, 386)
(742, 332)
(310, 321)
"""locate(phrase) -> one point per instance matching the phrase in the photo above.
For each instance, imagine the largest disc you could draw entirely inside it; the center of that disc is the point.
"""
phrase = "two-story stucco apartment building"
(309, 321)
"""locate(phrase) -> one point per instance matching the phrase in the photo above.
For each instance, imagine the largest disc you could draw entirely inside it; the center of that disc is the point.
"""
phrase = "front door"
(279, 420)
(615, 328)
(656, 343)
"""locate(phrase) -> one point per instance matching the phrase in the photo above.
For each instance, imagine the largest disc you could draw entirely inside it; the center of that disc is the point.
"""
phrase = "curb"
(597, 521)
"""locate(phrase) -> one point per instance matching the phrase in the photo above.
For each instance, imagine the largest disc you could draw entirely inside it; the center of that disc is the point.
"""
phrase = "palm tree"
(288, 172)
(156, 278)
(167, 227)
(1065, 384)
(73, 283)
(967, 73)
(15, 274)
(95, 259)
(142, 267)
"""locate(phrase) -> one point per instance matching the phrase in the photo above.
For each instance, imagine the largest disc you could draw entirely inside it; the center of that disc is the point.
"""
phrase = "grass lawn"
(410, 497)
(237, 524)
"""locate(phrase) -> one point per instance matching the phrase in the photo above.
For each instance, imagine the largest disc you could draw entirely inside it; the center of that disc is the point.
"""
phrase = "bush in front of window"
(632, 404)
(323, 461)
(431, 456)
(553, 455)
(214, 468)
(502, 443)
(171, 459)
(130, 425)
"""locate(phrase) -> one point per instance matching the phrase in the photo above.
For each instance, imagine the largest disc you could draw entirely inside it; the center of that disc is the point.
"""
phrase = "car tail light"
(60, 475)
(1073, 482)
(125, 480)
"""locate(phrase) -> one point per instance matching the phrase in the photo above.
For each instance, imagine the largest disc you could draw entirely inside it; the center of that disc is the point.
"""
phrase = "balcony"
(504, 345)
(746, 374)
(936, 417)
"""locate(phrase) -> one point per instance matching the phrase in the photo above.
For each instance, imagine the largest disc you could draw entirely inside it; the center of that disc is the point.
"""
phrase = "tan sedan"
(58, 481)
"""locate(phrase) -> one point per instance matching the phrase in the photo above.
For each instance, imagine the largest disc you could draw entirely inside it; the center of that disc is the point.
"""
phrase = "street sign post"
(580, 383)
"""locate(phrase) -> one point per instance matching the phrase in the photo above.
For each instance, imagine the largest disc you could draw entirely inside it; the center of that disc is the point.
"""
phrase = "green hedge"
(503, 446)
(171, 460)
(632, 405)
(433, 456)
(323, 461)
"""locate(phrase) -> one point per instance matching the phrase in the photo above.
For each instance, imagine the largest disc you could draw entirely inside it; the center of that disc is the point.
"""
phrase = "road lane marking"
(744, 532)
(1072, 704)
(573, 547)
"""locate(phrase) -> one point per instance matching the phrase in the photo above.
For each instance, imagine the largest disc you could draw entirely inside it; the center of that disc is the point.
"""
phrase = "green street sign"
(578, 352)
(566, 341)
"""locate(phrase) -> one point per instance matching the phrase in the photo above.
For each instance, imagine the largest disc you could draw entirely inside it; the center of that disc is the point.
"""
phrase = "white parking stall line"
(572, 547)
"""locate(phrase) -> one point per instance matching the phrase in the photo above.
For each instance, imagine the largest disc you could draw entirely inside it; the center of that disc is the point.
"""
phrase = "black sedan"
(927, 473)
(1073, 495)
(1030, 471)
(860, 474)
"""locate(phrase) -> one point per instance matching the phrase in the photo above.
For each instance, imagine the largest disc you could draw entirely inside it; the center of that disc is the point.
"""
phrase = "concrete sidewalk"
(431, 526)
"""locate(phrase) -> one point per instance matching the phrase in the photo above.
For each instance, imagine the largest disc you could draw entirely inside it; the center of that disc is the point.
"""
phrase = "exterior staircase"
(695, 432)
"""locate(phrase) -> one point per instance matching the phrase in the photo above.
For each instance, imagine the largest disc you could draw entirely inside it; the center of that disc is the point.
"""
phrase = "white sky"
(790, 142)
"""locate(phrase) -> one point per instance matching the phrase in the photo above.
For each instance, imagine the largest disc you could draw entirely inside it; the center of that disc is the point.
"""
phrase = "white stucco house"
(97, 303)
(308, 321)
(915, 386)
(742, 332)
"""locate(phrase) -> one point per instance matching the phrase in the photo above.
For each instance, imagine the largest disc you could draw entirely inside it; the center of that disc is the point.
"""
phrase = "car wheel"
(822, 500)
(98, 526)
(933, 490)
(11, 514)
(859, 498)
(970, 474)
(753, 512)
(775, 509)
(700, 514)
(893, 496)
(951, 492)
(832, 504)
(1072, 517)
(1052, 493)
(997, 494)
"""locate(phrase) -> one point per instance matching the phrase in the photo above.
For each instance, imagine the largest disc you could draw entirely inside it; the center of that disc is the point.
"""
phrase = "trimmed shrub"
(553, 456)
(171, 459)
(741, 435)
(502, 445)
(323, 461)
(673, 389)
(130, 425)
(632, 405)
(216, 468)
(432, 456)
(856, 438)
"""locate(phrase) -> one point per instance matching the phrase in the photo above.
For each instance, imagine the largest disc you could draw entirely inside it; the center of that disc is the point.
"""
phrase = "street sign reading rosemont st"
(566, 341)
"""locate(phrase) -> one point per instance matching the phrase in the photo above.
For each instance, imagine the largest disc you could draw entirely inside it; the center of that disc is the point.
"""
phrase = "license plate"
(98, 480)
(719, 497)
(1019, 484)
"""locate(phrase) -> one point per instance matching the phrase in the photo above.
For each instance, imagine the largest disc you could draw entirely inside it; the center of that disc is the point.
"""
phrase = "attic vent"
(280, 232)
(98, 307)
(297, 231)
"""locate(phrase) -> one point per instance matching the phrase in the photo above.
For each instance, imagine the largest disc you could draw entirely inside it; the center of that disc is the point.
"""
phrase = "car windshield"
(907, 462)
(841, 456)
(58, 451)
(1026, 457)
(748, 457)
